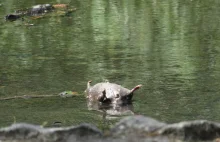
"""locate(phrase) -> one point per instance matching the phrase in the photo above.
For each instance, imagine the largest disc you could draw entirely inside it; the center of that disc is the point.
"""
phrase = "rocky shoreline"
(132, 128)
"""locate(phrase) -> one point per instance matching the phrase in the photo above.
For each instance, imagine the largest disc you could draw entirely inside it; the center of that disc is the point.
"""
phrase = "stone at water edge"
(136, 125)
(132, 128)
(192, 130)
(29, 132)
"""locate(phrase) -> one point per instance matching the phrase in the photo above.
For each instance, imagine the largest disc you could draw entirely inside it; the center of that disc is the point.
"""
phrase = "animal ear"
(104, 92)
(135, 88)
(89, 83)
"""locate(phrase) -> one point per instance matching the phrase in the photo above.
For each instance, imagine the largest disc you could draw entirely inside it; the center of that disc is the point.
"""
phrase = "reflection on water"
(111, 111)
(171, 47)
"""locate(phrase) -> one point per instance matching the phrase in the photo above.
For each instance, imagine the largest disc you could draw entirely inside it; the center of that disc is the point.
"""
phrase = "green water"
(171, 47)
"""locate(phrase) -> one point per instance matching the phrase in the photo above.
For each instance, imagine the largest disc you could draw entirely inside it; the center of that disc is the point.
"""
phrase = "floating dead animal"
(33, 11)
(110, 93)
(38, 10)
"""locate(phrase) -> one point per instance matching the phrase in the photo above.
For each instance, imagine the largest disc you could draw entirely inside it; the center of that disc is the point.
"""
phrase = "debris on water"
(66, 94)
(28, 24)
(57, 124)
(60, 5)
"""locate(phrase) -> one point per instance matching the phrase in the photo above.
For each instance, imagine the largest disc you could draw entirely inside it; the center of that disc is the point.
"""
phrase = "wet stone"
(132, 129)
(193, 130)
(28, 132)
(136, 125)
(20, 131)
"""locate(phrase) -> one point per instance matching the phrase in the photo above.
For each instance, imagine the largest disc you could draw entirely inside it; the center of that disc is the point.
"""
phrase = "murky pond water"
(170, 47)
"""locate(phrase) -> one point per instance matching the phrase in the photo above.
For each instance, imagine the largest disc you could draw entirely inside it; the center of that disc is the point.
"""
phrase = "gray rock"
(130, 129)
(192, 130)
(20, 131)
(28, 132)
(136, 125)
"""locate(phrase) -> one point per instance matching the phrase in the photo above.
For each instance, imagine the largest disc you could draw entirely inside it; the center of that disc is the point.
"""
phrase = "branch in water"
(27, 97)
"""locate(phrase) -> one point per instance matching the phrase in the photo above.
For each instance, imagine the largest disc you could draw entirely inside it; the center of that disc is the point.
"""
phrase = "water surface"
(170, 47)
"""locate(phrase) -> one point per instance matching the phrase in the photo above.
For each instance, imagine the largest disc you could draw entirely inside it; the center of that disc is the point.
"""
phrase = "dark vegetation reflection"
(171, 47)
